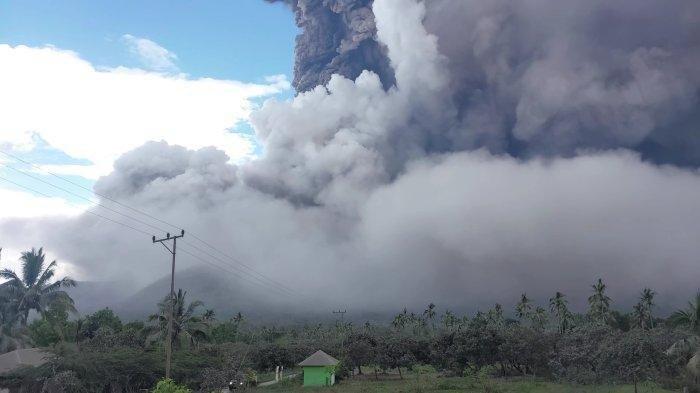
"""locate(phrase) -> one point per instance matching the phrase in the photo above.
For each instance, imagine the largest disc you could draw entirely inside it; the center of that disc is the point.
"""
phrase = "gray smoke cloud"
(516, 147)
(534, 78)
(338, 37)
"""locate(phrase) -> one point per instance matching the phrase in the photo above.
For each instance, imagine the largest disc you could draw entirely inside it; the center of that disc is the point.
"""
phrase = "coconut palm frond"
(47, 274)
(11, 276)
(33, 290)
(32, 265)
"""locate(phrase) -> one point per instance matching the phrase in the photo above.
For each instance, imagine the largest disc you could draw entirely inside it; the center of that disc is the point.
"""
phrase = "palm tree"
(34, 290)
(599, 302)
(494, 317)
(185, 320)
(429, 314)
(209, 315)
(539, 318)
(639, 313)
(238, 318)
(523, 308)
(690, 317)
(647, 300)
(558, 305)
(400, 320)
(449, 320)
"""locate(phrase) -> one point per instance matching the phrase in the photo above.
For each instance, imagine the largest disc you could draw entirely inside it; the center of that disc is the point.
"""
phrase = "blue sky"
(96, 90)
(235, 39)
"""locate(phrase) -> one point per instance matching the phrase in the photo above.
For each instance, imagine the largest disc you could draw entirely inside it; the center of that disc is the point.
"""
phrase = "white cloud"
(99, 114)
(20, 204)
(152, 55)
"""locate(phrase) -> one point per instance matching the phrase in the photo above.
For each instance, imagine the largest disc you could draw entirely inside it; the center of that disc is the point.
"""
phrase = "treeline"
(99, 352)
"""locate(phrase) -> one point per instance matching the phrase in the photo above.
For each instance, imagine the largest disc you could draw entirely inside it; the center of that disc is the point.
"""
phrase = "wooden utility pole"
(342, 315)
(169, 338)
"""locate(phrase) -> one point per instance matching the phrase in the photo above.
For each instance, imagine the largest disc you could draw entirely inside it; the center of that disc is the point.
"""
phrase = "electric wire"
(193, 235)
(267, 287)
(264, 284)
(81, 197)
(86, 211)
(238, 269)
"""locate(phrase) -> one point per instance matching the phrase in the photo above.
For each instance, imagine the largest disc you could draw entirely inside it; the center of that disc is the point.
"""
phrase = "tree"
(238, 318)
(639, 315)
(449, 320)
(473, 347)
(689, 318)
(101, 319)
(634, 356)
(647, 300)
(185, 320)
(621, 321)
(539, 318)
(494, 317)
(400, 320)
(394, 353)
(209, 315)
(43, 333)
(599, 302)
(576, 353)
(429, 314)
(526, 350)
(359, 349)
(523, 308)
(223, 332)
(558, 305)
(35, 290)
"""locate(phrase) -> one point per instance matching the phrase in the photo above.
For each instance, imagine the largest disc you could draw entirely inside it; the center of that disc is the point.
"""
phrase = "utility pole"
(342, 332)
(169, 338)
(342, 314)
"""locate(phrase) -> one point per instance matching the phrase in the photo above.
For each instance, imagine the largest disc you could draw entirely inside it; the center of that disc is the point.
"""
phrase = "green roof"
(320, 358)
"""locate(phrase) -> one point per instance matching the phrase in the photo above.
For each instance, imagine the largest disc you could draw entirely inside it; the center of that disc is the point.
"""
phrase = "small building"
(319, 369)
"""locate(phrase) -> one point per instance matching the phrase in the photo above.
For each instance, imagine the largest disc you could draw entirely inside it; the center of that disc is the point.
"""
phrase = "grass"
(270, 375)
(432, 383)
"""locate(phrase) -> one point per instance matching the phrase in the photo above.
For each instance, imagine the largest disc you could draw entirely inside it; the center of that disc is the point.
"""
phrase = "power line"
(131, 217)
(232, 273)
(264, 285)
(83, 198)
(271, 282)
(86, 211)
(239, 262)
(88, 189)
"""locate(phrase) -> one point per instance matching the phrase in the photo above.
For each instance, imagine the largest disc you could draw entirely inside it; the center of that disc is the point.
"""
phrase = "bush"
(43, 333)
(115, 369)
(576, 356)
(102, 319)
(63, 382)
(169, 386)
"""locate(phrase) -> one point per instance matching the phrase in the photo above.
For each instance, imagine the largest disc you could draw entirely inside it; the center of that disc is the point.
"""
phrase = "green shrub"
(169, 386)
(43, 333)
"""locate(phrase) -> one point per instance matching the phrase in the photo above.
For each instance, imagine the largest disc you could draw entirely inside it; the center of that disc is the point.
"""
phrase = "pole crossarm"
(167, 238)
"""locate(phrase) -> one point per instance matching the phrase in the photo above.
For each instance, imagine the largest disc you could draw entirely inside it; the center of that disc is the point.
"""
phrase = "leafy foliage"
(186, 321)
(169, 386)
(602, 346)
(34, 289)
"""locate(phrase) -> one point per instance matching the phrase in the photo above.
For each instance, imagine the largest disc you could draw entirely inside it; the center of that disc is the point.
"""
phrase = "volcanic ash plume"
(462, 152)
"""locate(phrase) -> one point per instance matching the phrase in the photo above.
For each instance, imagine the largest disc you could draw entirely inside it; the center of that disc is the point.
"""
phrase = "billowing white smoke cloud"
(468, 227)
(539, 77)
(377, 198)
